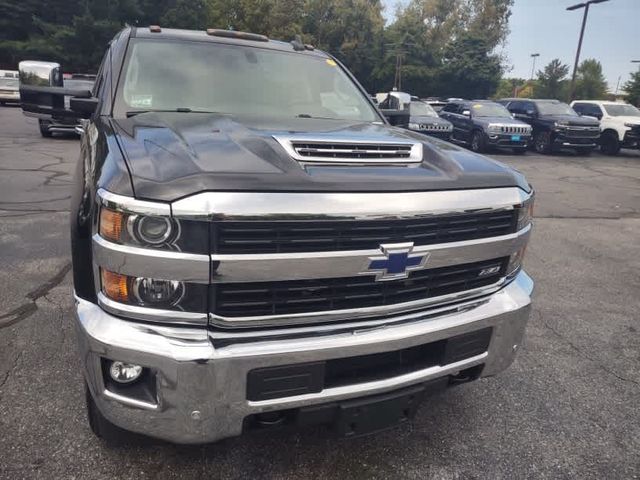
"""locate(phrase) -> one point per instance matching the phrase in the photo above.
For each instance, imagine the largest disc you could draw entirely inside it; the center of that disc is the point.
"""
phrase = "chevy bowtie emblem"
(395, 262)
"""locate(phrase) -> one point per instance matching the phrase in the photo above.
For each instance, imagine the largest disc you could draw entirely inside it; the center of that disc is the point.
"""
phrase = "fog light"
(515, 261)
(151, 291)
(125, 372)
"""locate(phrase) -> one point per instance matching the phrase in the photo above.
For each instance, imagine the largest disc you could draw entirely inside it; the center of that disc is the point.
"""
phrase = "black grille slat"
(308, 296)
(340, 235)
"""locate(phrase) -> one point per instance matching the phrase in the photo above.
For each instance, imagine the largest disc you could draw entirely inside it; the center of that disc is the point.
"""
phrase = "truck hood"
(572, 120)
(172, 155)
(499, 120)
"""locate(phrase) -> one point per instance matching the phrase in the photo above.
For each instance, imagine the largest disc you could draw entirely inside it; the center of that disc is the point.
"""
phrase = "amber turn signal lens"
(111, 224)
(115, 286)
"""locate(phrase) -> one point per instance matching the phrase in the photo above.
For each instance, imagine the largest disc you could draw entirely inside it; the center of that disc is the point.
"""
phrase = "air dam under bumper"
(202, 390)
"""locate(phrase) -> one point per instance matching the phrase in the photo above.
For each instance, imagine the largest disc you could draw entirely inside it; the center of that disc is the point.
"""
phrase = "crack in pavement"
(12, 369)
(27, 309)
(582, 353)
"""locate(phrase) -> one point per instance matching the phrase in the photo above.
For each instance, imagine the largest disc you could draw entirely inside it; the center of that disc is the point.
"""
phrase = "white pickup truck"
(619, 123)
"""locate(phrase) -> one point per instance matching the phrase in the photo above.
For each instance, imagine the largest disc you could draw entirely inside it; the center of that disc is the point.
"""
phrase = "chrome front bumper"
(201, 390)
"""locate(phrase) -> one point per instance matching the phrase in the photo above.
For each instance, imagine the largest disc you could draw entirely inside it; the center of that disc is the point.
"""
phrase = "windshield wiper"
(132, 113)
(306, 115)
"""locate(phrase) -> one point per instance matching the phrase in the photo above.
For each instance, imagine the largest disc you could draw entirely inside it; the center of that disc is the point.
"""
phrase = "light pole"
(585, 5)
(533, 67)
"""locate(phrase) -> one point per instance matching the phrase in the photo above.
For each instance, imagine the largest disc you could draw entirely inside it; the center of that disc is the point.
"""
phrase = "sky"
(612, 35)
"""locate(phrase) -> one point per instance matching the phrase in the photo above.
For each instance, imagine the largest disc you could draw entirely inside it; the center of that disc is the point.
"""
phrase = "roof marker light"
(155, 28)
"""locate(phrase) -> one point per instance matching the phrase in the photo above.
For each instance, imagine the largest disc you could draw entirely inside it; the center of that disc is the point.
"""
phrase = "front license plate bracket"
(370, 415)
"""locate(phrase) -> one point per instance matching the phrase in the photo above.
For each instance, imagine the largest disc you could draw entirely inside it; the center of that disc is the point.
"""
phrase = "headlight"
(631, 125)
(414, 126)
(493, 128)
(560, 125)
(525, 213)
(131, 228)
(149, 292)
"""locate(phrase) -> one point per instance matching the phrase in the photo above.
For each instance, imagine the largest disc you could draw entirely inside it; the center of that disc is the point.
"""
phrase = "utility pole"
(585, 5)
(400, 51)
(533, 67)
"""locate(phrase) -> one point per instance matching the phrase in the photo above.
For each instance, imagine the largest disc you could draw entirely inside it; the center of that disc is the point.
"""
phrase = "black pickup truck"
(555, 125)
(254, 245)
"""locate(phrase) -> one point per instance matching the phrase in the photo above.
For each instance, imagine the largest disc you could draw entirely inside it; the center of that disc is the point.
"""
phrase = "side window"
(580, 108)
(528, 107)
(596, 111)
(515, 107)
(450, 108)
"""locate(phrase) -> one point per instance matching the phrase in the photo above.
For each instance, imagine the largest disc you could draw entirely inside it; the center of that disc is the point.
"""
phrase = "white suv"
(619, 123)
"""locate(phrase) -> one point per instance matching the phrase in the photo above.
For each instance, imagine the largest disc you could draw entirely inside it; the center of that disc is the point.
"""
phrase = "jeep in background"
(555, 125)
(482, 124)
(619, 123)
(254, 245)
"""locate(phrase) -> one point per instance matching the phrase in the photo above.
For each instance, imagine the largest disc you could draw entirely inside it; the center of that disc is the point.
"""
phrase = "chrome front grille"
(321, 150)
(515, 129)
(284, 259)
(434, 128)
(582, 132)
(345, 293)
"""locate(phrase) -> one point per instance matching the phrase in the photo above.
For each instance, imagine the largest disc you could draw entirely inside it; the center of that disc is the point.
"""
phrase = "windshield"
(489, 110)
(622, 110)
(421, 109)
(233, 79)
(555, 108)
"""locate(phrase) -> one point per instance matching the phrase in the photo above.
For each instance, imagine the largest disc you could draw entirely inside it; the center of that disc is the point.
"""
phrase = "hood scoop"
(352, 152)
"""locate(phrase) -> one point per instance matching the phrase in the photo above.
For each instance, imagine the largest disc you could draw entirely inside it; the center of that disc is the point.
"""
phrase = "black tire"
(609, 144)
(542, 142)
(44, 129)
(478, 143)
(519, 151)
(585, 151)
(103, 428)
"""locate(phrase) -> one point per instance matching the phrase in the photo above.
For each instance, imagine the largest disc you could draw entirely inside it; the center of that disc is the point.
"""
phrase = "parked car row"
(518, 124)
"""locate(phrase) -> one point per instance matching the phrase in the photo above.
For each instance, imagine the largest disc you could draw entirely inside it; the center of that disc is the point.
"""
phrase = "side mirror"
(396, 117)
(42, 93)
(466, 113)
(40, 74)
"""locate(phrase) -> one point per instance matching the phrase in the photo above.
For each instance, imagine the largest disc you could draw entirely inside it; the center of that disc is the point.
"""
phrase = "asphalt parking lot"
(568, 408)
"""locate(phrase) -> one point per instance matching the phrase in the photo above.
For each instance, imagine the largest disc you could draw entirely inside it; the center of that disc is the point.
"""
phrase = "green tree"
(468, 68)
(508, 87)
(632, 87)
(590, 82)
(427, 32)
(352, 30)
(552, 81)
